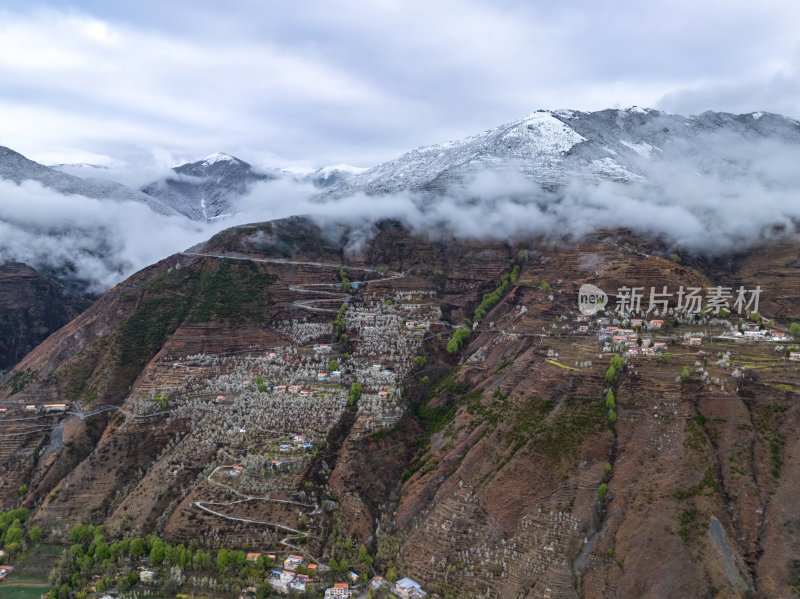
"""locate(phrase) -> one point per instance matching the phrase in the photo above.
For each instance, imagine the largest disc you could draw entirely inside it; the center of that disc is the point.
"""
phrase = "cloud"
(359, 82)
(97, 243)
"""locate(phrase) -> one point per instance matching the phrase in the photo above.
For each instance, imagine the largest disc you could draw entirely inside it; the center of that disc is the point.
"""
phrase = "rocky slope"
(495, 471)
(31, 307)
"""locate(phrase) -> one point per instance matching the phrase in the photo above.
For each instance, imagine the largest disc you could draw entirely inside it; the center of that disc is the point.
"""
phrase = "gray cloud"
(319, 82)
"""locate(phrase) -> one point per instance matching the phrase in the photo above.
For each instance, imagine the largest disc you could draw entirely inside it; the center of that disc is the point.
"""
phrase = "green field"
(29, 578)
(10, 589)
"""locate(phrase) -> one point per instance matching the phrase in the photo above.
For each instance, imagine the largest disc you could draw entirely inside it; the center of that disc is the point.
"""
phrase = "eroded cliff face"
(31, 307)
(210, 397)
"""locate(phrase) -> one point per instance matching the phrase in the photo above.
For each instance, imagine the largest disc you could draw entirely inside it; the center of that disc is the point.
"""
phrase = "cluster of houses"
(754, 332)
(628, 339)
(298, 442)
(289, 579)
(5, 571)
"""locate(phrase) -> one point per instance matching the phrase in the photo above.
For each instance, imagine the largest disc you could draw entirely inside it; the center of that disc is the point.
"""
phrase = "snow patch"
(756, 115)
(218, 157)
(643, 149)
(608, 167)
(327, 171)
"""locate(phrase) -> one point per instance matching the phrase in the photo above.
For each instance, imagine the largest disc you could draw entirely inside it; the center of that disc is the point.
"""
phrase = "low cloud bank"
(717, 205)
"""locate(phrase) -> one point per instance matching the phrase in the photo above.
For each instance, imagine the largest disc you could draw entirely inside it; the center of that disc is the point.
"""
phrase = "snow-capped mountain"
(206, 189)
(15, 167)
(557, 147)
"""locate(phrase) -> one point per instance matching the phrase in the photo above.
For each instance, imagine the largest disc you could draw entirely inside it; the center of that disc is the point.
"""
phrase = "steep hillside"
(284, 387)
(31, 307)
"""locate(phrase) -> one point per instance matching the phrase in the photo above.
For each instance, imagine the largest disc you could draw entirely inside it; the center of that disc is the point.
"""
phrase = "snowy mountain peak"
(219, 157)
(554, 147)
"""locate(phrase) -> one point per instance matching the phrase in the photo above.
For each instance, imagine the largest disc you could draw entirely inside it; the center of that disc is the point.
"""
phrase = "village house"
(335, 374)
(248, 593)
(383, 394)
(655, 324)
(795, 356)
(408, 588)
(322, 376)
(695, 340)
(279, 388)
(659, 346)
(148, 576)
(377, 582)
(253, 557)
(30, 408)
(584, 328)
(275, 464)
(338, 590)
(750, 326)
(636, 322)
(299, 438)
(634, 351)
(306, 393)
(299, 583)
(322, 349)
(285, 447)
(754, 333)
(221, 398)
(295, 389)
(235, 471)
(778, 336)
(5, 571)
(55, 407)
(648, 351)
(291, 562)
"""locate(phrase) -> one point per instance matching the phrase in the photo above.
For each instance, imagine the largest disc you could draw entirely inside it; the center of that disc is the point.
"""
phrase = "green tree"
(391, 575)
(685, 373)
(158, 552)
(355, 393)
(612, 416)
(794, 329)
(263, 591)
(80, 533)
(611, 402)
(333, 365)
(35, 533)
(22, 490)
(611, 375)
(137, 547)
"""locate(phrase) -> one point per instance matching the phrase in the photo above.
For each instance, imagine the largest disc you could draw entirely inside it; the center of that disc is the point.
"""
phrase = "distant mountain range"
(556, 147)
(556, 151)
(15, 167)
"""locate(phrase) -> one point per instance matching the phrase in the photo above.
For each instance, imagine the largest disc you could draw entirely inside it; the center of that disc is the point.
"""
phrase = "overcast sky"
(157, 82)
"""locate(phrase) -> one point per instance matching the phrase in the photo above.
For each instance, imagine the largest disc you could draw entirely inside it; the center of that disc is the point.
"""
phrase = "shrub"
(602, 490)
